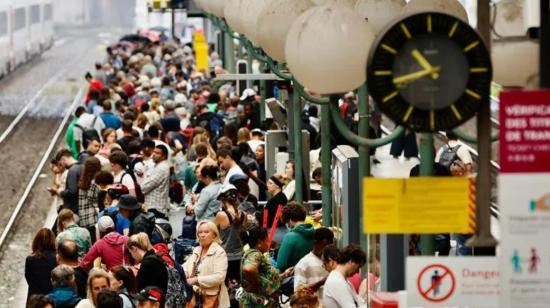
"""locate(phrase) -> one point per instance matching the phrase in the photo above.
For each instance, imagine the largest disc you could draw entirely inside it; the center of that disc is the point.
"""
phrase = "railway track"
(37, 171)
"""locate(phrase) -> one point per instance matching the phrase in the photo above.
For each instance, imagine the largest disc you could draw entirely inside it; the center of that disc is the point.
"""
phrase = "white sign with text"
(453, 281)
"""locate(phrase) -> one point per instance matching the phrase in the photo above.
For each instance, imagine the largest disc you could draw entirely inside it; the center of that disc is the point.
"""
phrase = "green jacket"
(69, 138)
(296, 244)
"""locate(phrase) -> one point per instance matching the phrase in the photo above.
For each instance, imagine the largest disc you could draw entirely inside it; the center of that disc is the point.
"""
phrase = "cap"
(237, 178)
(153, 294)
(104, 223)
(257, 131)
(247, 93)
(128, 202)
(228, 191)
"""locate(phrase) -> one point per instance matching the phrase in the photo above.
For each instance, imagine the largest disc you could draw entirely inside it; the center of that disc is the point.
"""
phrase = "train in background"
(26, 30)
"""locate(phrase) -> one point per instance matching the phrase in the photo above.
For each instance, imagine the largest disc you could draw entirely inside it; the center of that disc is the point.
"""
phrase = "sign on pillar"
(452, 282)
(524, 198)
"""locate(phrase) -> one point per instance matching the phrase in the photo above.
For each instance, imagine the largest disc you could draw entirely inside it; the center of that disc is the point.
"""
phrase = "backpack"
(139, 194)
(88, 133)
(144, 222)
(132, 162)
(178, 291)
(216, 126)
(189, 227)
(449, 155)
(215, 122)
(176, 192)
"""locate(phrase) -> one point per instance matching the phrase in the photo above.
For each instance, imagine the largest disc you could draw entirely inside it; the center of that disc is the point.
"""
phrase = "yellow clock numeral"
(383, 73)
(408, 114)
(406, 30)
(455, 111)
(479, 70)
(471, 46)
(389, 49)
(389, 97)
(473, 94)
(453, 29)
(430, 23)
(432, 120)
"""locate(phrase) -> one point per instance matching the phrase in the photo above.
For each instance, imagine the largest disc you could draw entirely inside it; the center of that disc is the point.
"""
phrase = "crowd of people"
(156, 136)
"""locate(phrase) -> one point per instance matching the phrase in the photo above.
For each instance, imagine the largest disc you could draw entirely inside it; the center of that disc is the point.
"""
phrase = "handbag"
(200, 299)
(204, 301)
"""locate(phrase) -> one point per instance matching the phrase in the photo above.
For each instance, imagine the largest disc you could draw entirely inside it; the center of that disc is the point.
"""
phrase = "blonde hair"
(64, 216)
(212, 227)
(141, 241)
(243, 135)
(96, 273)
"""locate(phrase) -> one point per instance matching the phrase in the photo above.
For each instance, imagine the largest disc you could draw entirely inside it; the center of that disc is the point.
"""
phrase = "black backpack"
(88, 133)
(137, 188)
(144, 222)
(178, 290)
(132, 162)
(449, 155)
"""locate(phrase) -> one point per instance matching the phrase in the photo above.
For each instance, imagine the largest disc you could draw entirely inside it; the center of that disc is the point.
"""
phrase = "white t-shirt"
(339, 293)
(309, 270)
(290, 189)
(86, 120)
(126, 180)
(462, 152)
(233, 170)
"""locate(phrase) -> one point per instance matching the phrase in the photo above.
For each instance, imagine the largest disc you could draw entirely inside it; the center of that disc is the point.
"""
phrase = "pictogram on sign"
(436, 283)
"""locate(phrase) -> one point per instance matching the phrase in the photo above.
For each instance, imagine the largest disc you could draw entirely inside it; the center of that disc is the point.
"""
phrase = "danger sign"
(450, 281)
(436, 283)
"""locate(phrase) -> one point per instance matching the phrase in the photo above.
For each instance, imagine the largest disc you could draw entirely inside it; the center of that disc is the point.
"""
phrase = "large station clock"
(429, 71)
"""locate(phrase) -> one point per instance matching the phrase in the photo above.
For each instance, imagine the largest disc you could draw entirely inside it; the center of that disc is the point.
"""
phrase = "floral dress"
(268, 275)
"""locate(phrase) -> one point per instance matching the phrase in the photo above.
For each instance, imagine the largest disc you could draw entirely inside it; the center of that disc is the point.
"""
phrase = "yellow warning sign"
(418, 205)
(201, 51)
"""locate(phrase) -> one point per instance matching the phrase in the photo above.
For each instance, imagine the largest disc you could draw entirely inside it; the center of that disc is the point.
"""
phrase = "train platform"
(195, 141)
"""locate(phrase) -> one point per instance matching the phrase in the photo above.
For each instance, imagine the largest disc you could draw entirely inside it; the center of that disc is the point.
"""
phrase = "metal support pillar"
(484, 21)
(249, 83)
(393, 248)
(298, 148)
(326, 165)
(240, 53)
(228, 53)
(173, 11)
(364, 159)
(544, 44)
(263, 94)
(483, 241)
(427, 157)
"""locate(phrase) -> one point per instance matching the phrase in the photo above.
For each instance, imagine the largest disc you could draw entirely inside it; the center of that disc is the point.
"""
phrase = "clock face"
(429, 71)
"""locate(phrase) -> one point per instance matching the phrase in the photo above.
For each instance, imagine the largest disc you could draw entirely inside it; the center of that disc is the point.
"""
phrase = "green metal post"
(326, 165)
(263, 94)
(427, 157)
(228, 53)
(249, 58)
(298, 148)
(240, 53)
(364, 153)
